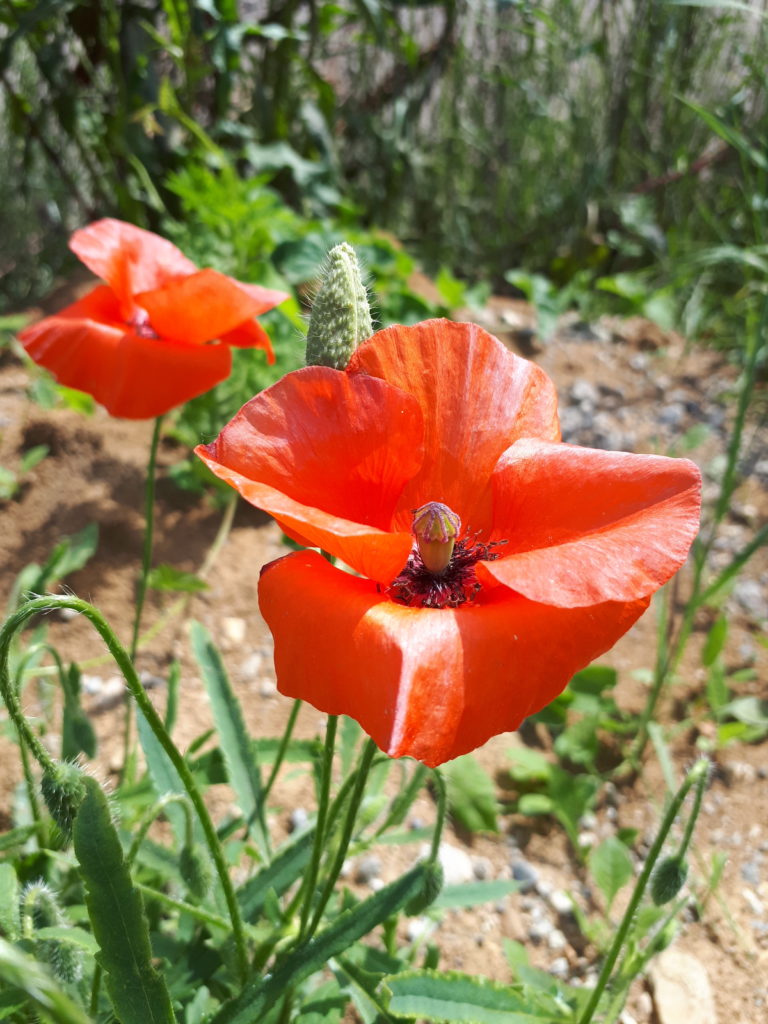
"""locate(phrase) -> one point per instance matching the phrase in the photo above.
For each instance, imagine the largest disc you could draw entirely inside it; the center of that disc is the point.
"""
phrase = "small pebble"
(267, 688)
(750, 872)
(418, 928)
(556, 940)
(525, 874)
(482, 867)
(368, 869)
(298, 819)
(233, 629)
(561, 902)
(559, 968)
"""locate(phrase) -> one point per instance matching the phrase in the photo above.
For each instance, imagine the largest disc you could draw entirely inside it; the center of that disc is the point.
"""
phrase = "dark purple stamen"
(417, 587)
(141, 325)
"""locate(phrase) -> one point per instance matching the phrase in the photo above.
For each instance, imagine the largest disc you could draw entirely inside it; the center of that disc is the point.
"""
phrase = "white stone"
(681, 989)
(234, 629)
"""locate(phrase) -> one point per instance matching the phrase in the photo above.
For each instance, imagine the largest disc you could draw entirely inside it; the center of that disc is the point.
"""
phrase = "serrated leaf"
(611, 867)
(260, 994)
(24, 973)
(447, 997)
(138, 993)
(236, 746)
(471, 794)
(166, 577)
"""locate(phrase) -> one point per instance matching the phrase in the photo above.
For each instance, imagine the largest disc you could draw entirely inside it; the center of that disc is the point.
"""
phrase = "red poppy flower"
(559, 552)
(138, 343)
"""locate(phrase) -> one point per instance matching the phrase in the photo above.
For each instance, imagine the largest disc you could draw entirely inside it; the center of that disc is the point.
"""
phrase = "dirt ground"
(621, 385)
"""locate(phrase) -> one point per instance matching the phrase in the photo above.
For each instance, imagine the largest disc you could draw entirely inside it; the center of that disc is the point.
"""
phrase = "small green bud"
(341, 316)
(196, 871)
(433, 883)
(63, 790)
(40, 909)
(668, 879)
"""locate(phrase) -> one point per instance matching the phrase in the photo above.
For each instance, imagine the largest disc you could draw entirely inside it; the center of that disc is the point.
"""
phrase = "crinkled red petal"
(128, 258)
(132, 376)
(266, 298)
(327, 455)
(198, 308)
(585, 526)
(476, 398)
(426, 683)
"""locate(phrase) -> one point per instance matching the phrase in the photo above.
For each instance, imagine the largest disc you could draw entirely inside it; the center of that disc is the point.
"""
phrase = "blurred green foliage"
(617, 151)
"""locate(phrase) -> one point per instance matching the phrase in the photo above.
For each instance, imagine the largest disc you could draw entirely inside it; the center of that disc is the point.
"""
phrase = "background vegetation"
(616, 147)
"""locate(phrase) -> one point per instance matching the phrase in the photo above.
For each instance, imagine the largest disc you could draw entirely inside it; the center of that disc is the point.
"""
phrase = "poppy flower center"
(140, 324)
(440, 572)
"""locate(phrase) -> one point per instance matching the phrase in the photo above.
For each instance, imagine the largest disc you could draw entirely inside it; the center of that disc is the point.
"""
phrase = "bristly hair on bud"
(341, 315)
(39, 909)
(63, 790)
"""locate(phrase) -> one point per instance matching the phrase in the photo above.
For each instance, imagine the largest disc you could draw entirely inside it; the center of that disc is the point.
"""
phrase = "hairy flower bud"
(341, 316)
(668, 879)
(195, 869)
(63, 791)
(435, 527)
(432, 885)
(39, 910)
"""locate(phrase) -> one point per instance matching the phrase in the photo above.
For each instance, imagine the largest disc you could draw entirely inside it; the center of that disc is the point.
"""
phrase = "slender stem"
(198, 913)
(322, 816)
(149, 525)
(149, 818)
(696, 776)
(154, 721)
(141, 589)
(355, 800)
(442, 808)
(281, 750)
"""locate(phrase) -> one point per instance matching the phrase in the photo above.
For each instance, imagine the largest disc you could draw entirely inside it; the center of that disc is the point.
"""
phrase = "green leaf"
(351, 925)
(471, 894)
(282, 871)
(447, 997)
(471, 794)
(9, 901)
(611, 867)
(137, 992)
(532, 804)
(166, 577)
(9, 484)
(23, 972)
(715, 641)
(165, 778)
(529, 765)
(33, 456)
(239, 753)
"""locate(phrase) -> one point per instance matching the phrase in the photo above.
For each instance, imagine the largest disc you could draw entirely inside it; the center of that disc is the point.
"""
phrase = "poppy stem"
(361, 777)
(141, 589)
(126, 666)
(280, 755)
(697, 776)
(322, 817)
(442, 807)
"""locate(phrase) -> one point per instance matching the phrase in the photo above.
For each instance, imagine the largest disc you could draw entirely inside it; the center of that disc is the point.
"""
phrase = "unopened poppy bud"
(40, 910)
(668, 879)
(341, 316)
(195, 869)
(435, 527)
(63, 791)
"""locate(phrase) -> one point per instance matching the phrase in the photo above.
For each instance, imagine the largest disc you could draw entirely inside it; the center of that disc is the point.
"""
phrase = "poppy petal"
(327, 455)
(128, 258)
(132, 376)
(477, 398)
(267, 298)
(197, 308)
(585, 526)
(249, 335)
(423, 682)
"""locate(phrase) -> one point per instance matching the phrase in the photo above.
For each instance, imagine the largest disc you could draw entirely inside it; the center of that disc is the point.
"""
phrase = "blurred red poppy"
(559, 552)
(139, 343)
